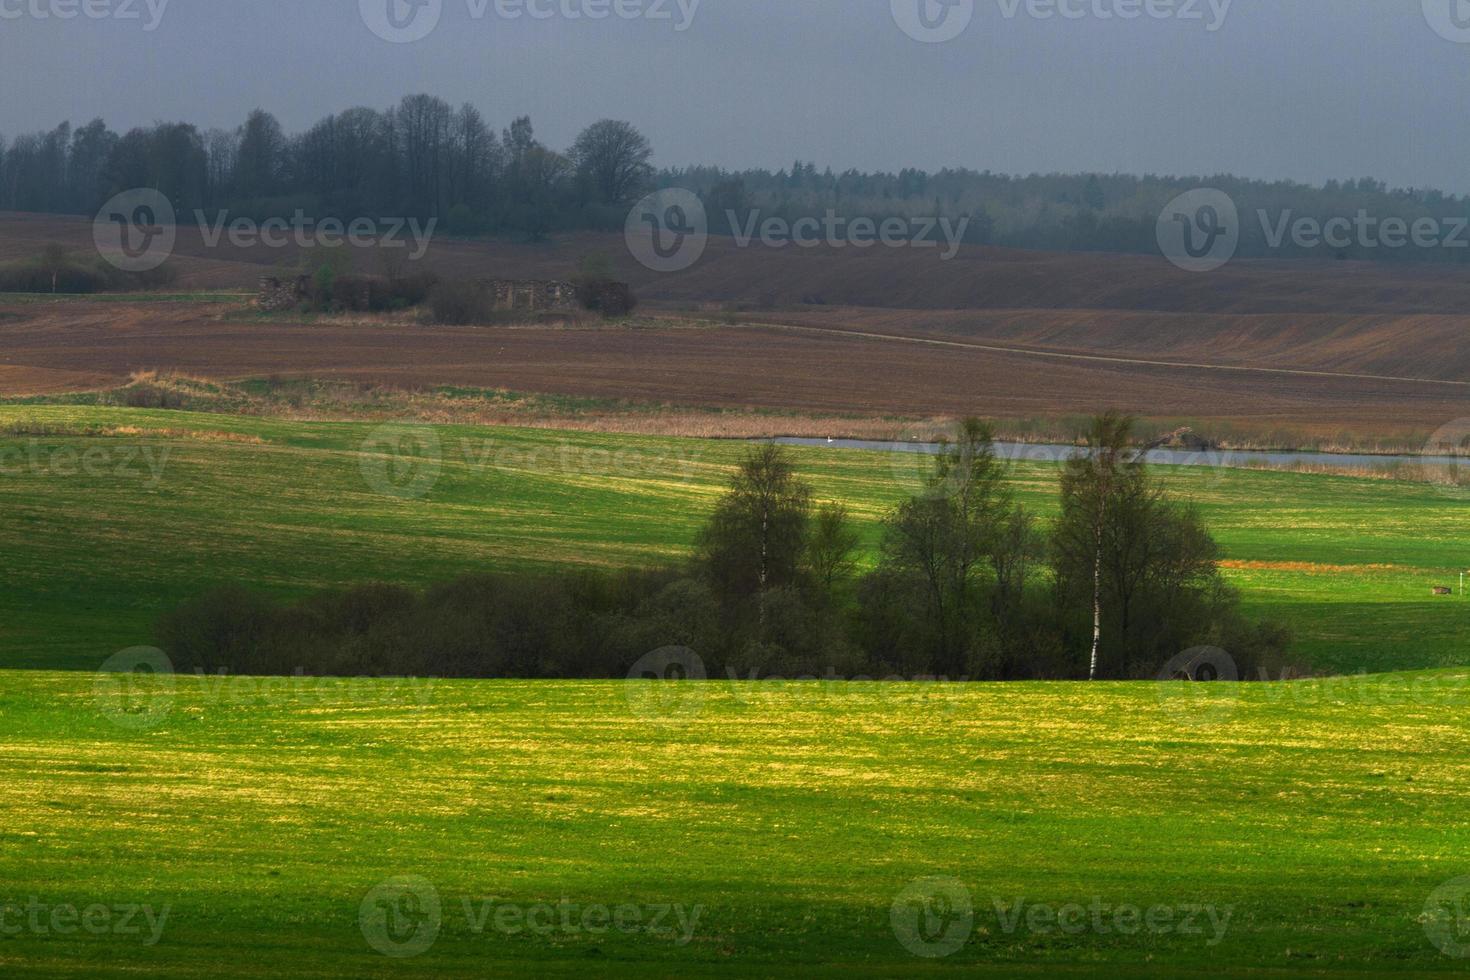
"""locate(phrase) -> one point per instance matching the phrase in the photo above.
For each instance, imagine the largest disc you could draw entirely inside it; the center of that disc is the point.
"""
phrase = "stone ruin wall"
(282, 294)
(536, 295)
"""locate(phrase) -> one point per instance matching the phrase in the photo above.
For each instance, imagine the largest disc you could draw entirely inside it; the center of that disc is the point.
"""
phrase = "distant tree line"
(967, 584)
(425, 158)
(1088, 212)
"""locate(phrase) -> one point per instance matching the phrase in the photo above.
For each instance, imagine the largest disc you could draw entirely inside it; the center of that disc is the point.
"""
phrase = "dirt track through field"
(1106, 359)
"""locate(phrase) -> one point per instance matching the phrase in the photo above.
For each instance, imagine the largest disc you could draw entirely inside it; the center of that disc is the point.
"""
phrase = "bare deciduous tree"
(612, 157)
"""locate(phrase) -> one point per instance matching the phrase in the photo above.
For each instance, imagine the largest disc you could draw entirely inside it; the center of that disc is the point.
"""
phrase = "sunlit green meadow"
(1297, 827)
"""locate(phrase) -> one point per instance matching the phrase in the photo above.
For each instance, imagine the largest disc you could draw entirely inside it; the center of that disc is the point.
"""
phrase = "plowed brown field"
(1322, 350)
(76, 345)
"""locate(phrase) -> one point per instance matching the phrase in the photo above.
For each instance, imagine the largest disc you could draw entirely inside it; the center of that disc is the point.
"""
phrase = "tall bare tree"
(831, 548)
(1149, 564)
(612, 158)
(423, 124)
(1090, 484)
(756, 539)
(949, 535)
(261, 156)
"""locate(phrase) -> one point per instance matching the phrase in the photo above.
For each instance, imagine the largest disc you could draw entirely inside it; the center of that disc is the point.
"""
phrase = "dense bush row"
(465, 302)
(965, 586)
(56, 271)
(341, 292)
(550, 625)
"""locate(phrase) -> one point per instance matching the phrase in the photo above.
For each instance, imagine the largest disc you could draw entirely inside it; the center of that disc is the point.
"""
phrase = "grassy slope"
(793, 815)
(92, 559)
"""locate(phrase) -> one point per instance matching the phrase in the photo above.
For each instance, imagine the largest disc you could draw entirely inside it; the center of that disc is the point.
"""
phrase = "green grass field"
(110, 516)
(1264, 828)
(295, 827)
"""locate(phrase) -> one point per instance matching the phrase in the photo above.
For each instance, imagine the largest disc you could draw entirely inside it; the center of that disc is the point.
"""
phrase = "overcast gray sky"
(1303, 89)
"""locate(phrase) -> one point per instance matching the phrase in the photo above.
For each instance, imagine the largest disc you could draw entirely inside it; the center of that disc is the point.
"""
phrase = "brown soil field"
(83, 344)
(1321, 350)
(911, 279)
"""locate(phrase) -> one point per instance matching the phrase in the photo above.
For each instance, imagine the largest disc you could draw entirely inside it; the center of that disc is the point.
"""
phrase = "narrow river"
(1240, 459)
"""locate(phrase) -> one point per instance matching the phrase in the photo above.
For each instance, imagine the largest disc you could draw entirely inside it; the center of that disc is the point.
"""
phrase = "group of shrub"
(326, 289)
(966, 585)
(610, 299)
(466, 302)
(549, 625)
(56, 270)
(331, 291)
(454, 302)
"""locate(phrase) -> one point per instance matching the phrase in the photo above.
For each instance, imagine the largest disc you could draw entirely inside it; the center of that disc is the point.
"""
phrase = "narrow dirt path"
(1099, 358)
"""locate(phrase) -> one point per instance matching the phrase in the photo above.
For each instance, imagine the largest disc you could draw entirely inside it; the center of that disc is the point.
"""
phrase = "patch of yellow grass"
(1309, 568)
(193, 435)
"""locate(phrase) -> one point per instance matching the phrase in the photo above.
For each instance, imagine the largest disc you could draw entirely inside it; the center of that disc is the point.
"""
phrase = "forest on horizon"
(425, 159)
